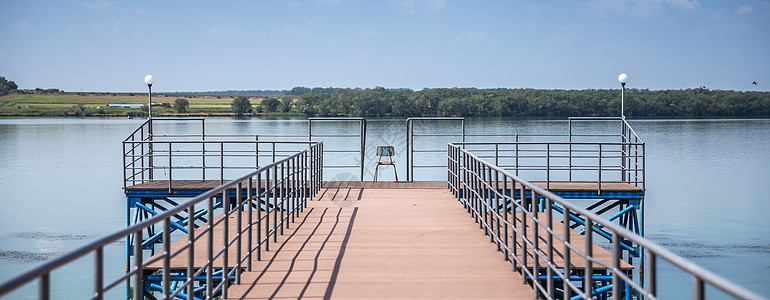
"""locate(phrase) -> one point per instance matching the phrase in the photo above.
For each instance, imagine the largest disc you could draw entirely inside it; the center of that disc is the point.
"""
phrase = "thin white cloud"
(365, 32)
(684, 4)
(475, 36)
(24, 24)
(403, 5)
(329, 2)
(287, 32)
(224, 31)
(293, 4)
(643, 7)
(435, 5)
(743, 10)
(568, 33)
(143, 12)
(412, 6)
(102, 6)
(217, 31)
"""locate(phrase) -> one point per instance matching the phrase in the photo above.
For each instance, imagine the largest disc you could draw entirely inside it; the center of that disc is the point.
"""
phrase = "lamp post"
(623, 78)
(149, 80)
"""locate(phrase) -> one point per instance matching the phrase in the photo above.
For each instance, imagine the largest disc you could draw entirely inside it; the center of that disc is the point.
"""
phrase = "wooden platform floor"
(394, 244)
(560, 186)
(380, 243)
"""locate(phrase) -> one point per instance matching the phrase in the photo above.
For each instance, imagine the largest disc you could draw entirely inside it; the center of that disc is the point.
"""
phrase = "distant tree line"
(378, 102)
(301, 90)
(7, 87)
(524, 102)
(235, 93)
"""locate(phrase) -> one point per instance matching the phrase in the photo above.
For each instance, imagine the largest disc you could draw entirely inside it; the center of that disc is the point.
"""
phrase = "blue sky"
(102, 45)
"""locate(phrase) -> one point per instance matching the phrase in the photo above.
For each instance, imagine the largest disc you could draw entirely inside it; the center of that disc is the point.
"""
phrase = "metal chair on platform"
(389, 152)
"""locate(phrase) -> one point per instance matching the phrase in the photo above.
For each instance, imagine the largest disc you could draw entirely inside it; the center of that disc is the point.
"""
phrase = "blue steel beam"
(597, 230)
(173, 224)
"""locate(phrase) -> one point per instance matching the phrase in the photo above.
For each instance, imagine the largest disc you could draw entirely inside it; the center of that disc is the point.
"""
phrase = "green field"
(96, 104)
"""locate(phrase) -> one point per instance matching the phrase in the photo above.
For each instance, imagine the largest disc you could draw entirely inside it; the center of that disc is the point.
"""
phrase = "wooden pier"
(378, 240)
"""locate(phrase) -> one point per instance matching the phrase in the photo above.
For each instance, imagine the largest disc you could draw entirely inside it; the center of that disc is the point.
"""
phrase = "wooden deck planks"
(390, 244)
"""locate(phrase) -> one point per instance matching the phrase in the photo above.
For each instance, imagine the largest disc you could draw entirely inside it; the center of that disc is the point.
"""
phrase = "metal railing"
(598, 162)
(171, 161)
(270, 197)
(507, 207)
(149, 156)
(573, 156)
(361, 136)
(411, 136)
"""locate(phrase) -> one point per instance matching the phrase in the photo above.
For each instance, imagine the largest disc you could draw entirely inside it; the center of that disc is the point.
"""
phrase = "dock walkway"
(383, 243)
(400, 241)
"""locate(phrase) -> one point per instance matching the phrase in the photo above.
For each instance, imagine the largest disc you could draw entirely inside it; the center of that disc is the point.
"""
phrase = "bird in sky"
(754, 83)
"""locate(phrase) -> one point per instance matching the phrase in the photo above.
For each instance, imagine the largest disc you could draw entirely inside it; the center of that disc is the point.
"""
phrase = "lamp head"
(623, 78)
(149, 80)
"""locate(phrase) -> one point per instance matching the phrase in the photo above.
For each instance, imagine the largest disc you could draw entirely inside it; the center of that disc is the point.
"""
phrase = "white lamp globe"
(623, 78)
(149, 80)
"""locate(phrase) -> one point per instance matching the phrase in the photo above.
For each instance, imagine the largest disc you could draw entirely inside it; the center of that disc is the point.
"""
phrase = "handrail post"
(126, 166)
(488, 213)
(149, 148)
(599, 188)
(44, 286)
(191, 251)
(250, 211)
(549, 242)
(309, 129)
(275, 203)
(616, 256)
(138, 276)
(496, 213)
(516, 153)
(651, 276)
(363, 146)
(225, 241)
(166, 258)
(524, 245)
(98, 273)
(239, 229)
(203, 151)
(698, 290)
(623, 144)
(221, 163)
(514, 238)
(570, 148)
(209, 249)
(567, 251)
(408, 149)
(259, 216)
(535, 243)
(170, 189)
(548, 166)
(283, 195)
(144, 156)
(589, 271)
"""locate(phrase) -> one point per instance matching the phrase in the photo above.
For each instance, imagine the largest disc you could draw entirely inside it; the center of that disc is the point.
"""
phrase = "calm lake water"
(707, 190)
